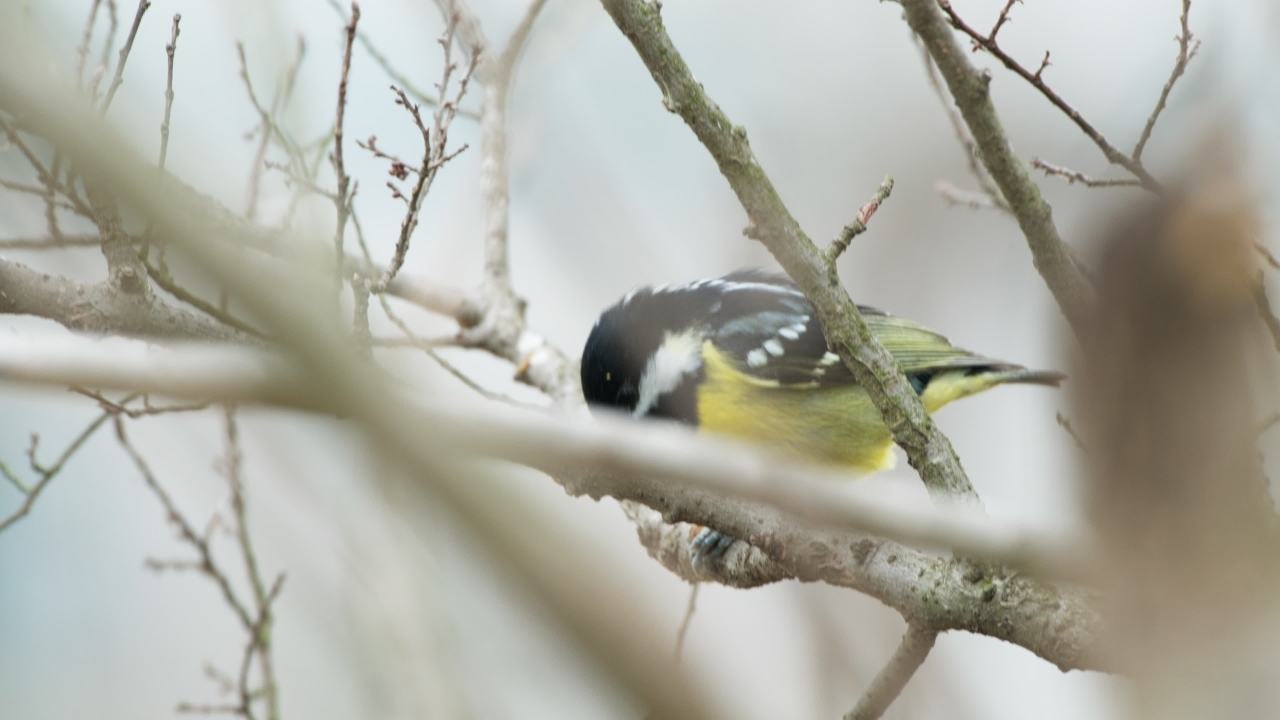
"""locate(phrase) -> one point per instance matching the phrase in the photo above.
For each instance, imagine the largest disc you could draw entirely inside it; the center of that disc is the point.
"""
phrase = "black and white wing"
(769, 330)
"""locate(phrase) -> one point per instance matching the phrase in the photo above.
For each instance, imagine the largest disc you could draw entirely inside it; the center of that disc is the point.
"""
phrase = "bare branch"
(988, 43)
(962, 134)
(49, 243)
(122, 407)
(260, 634)
(971, 91)
(47, 473)
(1266, 312)
(86, 36)
(1002, 19)
(859, 224)
(1066, 425)
(906, 660)
(208, 565)
(118, 79)
(1074, 176)
(493, 165)
(397, 78)
(169, 51)
(964, 198)
(126, 271)
(1187, 47)
(268, 130)
(161, 276)
(340, 201)
(434, 150)
(683, 631)
(99, 308)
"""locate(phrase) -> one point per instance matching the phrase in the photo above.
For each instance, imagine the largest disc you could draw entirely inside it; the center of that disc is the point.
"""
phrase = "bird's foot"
(706, 546)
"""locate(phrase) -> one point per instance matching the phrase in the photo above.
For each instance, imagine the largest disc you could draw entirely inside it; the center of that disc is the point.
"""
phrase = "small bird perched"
(744, 356)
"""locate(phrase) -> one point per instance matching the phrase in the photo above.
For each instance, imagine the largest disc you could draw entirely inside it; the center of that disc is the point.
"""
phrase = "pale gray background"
(396, 616)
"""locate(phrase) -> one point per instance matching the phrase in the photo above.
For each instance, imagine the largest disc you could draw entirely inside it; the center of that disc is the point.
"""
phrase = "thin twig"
(86, 37)
(49, 243)
(268, 129)
(118, 79)
(41, 191)
(122, 407)
(1002, 19)
(397, 78)
(108, 45)
(1075, 176)
(47, 473)
(683, 631)
(889, 683)
(1065, 424)
(1113, 155)
(1266, 312)
(260, 633)
(208, 565)
(1186, 51)
(161, 276)
(1268, 422)
(434, 152)
(859, 224)
(1267, 255)
(169, 50)
(962, 134)
(965, 198)
(340, 202)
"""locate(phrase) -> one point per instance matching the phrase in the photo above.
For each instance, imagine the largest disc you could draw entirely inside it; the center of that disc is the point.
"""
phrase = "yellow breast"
(838, 425)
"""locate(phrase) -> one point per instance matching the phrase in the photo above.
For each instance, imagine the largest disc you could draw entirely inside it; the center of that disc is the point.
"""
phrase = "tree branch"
(1187, 47)
(971, 91)
(988, 43)
(906, 660)
(101, 308)
(118, 79)
(169, 50)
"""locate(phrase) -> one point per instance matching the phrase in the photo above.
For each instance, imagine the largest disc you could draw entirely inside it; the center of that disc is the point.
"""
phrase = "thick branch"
(927, 449)
(971, 91)
(101, 308)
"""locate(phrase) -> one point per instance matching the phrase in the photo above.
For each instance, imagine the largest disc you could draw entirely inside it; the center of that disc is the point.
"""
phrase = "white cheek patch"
(679, 355)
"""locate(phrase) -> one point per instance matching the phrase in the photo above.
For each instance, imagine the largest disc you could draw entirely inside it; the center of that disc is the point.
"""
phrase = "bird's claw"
(706, 546)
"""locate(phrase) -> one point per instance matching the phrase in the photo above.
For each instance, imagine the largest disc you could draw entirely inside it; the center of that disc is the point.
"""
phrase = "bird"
(745, 356)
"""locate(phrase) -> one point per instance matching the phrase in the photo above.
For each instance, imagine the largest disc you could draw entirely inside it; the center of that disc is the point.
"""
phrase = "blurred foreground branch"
(803, 522)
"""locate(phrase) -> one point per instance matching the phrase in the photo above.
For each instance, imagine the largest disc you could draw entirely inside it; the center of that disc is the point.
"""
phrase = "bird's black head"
(617, 351)
(643, 354)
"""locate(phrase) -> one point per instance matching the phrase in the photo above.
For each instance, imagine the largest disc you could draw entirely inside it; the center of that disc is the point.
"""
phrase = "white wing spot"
(757, 358)
(789, 333)
(830, 358)
(818, 371)
(799, 328)
(773, 347)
